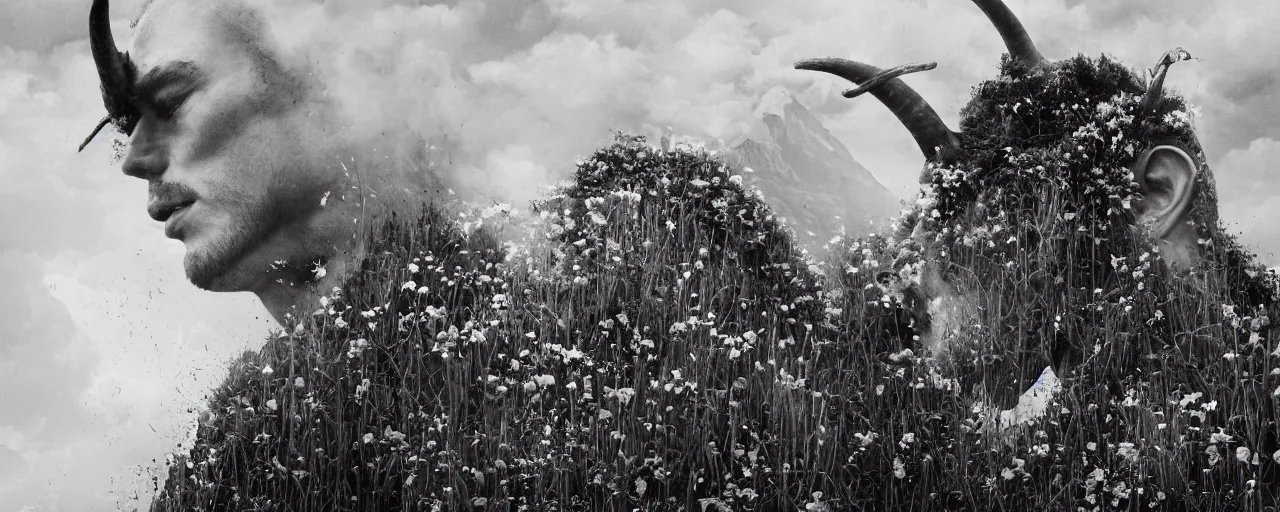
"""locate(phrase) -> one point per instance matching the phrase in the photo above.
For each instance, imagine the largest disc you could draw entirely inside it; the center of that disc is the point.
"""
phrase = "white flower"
(393, 435)
(1212, 452)
(266, 370)
(623, 394)
(545, 380)
(1128, 451)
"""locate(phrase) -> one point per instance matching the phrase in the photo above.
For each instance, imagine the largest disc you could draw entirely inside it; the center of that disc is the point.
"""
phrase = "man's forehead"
(178, 30)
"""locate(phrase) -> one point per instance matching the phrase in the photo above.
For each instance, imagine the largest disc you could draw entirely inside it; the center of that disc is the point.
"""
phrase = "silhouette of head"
(245, 157)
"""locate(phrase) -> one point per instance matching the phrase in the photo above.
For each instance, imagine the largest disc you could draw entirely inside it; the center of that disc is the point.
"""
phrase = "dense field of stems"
(654, 341)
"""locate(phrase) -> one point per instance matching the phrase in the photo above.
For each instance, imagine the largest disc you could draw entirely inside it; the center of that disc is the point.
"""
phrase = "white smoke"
(511, 92)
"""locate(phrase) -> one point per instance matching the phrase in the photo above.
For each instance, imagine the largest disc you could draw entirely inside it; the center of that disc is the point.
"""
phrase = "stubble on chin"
(207, 265)
(214, 264)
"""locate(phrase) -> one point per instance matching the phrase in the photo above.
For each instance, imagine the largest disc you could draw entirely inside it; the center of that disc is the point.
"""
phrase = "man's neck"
(399, 186)
(296, 294)
(298, 300)
(324, 251)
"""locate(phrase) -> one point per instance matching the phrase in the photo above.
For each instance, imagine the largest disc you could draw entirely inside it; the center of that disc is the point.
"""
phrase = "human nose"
(148, 156)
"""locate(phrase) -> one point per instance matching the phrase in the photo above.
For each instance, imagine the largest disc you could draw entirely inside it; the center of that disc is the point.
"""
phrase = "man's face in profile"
(226, 139)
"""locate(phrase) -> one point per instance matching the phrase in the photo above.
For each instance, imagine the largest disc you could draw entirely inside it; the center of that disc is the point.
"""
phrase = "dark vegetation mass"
(657, 342)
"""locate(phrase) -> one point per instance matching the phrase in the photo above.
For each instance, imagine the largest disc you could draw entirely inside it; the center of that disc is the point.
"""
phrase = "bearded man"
(248, 162)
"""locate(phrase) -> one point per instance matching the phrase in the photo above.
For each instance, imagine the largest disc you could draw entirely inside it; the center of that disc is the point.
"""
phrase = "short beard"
(211, 267)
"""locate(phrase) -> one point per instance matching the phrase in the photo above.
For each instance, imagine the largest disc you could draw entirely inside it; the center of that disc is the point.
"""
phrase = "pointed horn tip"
(100, 17)
(1018, 43)
(93, 134)
(807, 64)
(886, 76)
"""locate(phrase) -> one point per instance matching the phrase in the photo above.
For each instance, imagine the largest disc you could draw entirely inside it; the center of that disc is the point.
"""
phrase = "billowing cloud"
(99, 322)
(42, 354)
(41, 24)
(1247, 180)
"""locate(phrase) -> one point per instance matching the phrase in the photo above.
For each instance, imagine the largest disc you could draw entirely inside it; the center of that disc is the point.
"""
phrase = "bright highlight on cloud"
(110, 345)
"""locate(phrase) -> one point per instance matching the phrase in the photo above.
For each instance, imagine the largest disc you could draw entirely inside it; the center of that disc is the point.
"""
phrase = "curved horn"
(887, 76)
(1156, 89)
(113, 69)
(1020, 46)
(914, 112)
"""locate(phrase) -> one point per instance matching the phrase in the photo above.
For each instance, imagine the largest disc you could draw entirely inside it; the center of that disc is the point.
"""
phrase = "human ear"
(1166, 176)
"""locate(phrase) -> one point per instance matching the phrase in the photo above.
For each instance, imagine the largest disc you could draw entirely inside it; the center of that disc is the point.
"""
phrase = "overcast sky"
(103, 343)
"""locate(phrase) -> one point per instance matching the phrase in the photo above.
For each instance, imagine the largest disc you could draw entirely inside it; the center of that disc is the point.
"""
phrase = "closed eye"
(167, 106)
(164, 89)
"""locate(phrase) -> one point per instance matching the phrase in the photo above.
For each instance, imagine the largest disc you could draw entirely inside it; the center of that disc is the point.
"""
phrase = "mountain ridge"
(809, 177)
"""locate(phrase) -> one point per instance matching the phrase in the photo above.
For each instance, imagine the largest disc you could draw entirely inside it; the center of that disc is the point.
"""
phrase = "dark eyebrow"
(159, 76)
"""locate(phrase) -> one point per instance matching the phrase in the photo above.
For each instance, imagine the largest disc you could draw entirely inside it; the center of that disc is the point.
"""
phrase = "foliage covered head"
(1069, 132)
(1035, 211)
(1079, 124)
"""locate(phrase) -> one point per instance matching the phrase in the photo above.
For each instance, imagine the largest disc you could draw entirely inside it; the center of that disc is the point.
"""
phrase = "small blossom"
(545, 380)
(1212, 452)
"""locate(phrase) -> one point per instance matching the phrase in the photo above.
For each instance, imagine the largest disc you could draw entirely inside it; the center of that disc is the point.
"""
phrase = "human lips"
(170, 209)
(162, 210)
(173, 218)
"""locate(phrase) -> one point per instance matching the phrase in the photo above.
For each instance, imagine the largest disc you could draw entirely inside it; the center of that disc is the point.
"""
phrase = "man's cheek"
(209, 224)
(225, 123)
